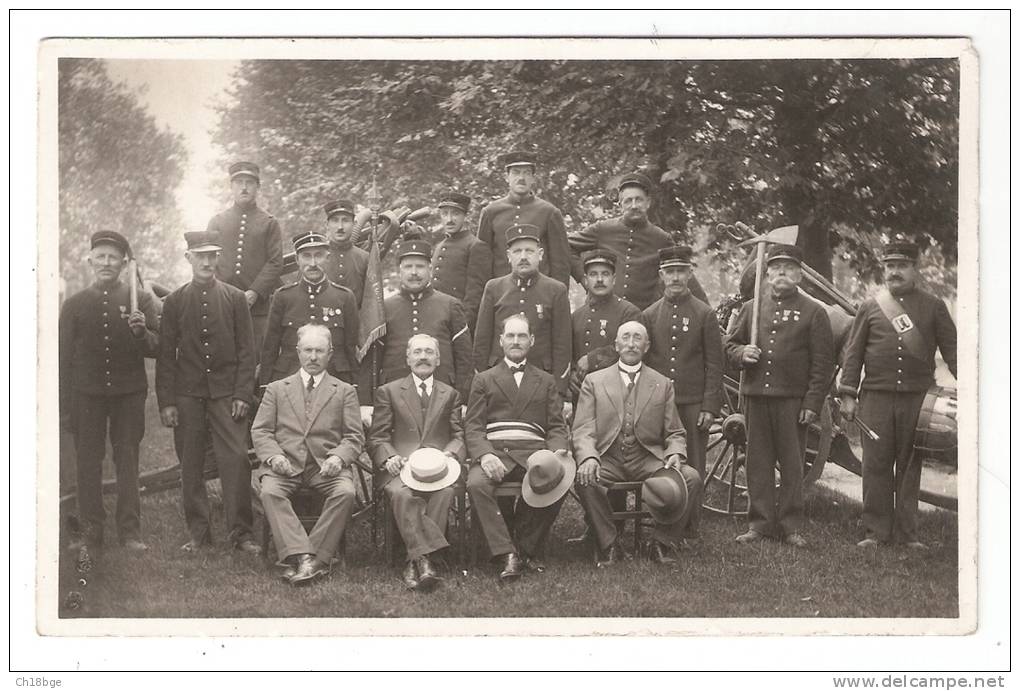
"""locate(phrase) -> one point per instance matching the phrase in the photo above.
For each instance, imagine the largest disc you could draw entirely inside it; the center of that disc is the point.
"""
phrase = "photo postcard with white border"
(851, 143)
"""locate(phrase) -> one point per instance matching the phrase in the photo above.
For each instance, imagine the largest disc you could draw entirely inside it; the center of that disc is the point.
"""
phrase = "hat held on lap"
(429, 470)
(665, 495)
(549, 477)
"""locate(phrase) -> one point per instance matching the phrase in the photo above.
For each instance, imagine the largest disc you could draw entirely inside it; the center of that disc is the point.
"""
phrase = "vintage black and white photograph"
(509, 335)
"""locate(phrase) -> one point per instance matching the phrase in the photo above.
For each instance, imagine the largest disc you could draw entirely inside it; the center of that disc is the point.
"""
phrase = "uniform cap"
(455, 200)
(635, 180)
(203, 241)
(900, 250)
(339, 206)
(599, 257)
(111, 237)
(309, 239)
(522, 231)
(243, 168)
(677, 255)
(414, 246)
(791, 252)
(519, 158)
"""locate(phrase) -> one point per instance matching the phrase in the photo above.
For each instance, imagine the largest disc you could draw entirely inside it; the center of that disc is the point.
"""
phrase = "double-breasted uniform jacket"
(252, 256)
(206, 345)
(495, 398)
(333, 427)
(796, 342)
(461, 264)
(98, 354)
(346, 266)
(686, 346)
(599, 418)
(300, 303)
(888, 364)
(637, 250)
(400, 427)
(596, 322)
(436, 314)
(504, 213)
(544, 302)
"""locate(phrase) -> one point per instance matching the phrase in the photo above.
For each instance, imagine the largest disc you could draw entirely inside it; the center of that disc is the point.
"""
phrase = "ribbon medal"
(539, 312)
(687, 322)
(123, 311)
(603, 323)
(327, 312)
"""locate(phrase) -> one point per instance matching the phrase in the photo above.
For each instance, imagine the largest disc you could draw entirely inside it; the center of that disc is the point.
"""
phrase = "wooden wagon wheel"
(725, 465)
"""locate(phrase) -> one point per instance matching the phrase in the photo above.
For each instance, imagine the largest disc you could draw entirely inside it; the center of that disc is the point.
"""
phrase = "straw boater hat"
(429, 469)
(549, 477)
(665, 495)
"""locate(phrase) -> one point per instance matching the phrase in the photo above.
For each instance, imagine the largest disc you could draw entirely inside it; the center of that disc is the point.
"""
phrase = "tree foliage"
(847, 150)
(118, 171)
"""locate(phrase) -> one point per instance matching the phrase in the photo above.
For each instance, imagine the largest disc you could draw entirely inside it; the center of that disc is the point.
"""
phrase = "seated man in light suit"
(514, 411)
(308, 433)
(626, 428)
(412, 413)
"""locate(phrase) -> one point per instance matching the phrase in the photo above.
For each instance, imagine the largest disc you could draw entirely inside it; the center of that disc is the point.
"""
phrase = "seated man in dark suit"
(307, 433)
(627, 428)
(515, 410)
(413, 413)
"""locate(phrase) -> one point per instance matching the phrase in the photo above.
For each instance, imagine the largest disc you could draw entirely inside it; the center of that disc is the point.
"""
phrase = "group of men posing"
(475, 369)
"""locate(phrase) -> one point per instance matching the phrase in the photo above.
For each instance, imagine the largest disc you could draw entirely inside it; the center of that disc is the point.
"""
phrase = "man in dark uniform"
(205, 381)
(513, 412)
(252, 259)
(784, 384)
(596, 321)
(521, 207)
(420, 308)
(312, 299)
(894, 336)
(103, 346)
(541, 299)
(686, 346)
(634, 240)
(347, 262)
(461, 263)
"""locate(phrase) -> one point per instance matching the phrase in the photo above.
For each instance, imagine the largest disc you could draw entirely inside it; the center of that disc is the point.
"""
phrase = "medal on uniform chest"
(687, 324)
(603, 323)
(796, 315)
(538, 311)
(123, 311)
(786, 315)
(327, 312)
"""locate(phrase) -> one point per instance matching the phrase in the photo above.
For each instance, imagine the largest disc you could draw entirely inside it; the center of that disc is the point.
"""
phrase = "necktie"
(424, 396)
(633, 379)
(309, 394)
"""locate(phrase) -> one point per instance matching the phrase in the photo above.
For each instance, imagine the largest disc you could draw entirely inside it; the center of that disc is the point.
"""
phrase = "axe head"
(787, 235)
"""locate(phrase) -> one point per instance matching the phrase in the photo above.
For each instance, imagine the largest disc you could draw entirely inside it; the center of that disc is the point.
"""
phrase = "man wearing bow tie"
(513, 411)
(627, 429)
(312, 299)
(307, 433)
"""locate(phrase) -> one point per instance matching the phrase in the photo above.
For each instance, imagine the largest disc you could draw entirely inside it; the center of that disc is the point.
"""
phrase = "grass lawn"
(718, 578)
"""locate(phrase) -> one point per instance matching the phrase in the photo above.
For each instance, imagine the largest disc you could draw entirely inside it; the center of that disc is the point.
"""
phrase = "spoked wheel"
(725, 465)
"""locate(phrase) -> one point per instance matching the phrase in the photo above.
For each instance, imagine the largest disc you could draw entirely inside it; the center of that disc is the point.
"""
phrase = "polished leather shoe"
(795, 540)
(134, 545)
(916, 545)
(533, 564)
(409, 576)
(658, 553)
(428, 579)
(309, 569)
(868, 543)
(192, 546)
(511, 568)
(750, 536)
(249, 547)
(613, 554)
(288, 572)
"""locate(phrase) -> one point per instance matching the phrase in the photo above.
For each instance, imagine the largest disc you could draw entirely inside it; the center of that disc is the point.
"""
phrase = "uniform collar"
(97, 286)
(525, 282)
(789, 296)
(678, 299)
(342, 246)
(595, 301)
(526, 199)
(246, 208)
(315, 288)
(425, 292)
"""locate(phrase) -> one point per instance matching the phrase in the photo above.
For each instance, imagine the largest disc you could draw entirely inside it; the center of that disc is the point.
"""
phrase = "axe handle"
(133, 284)
(759, 269)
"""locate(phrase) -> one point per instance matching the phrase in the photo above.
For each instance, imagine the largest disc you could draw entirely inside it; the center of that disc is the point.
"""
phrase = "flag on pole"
(372, 314)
